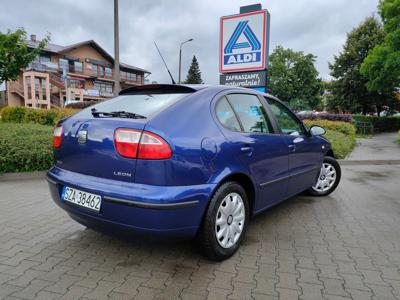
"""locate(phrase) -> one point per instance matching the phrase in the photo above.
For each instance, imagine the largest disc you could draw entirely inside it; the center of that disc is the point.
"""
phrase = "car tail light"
(57, 136)
(132, 143)
(153, 146)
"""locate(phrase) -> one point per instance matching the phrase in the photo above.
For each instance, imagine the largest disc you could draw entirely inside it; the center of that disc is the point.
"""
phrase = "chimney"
(33, 37)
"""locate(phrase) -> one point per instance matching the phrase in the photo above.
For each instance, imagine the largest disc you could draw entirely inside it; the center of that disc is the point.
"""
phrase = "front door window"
(288, 123)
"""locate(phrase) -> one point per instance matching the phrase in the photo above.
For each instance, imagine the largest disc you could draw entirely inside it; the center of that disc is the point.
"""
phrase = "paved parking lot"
(338, 247)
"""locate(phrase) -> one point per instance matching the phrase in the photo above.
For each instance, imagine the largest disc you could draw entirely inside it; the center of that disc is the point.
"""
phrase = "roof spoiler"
(158, 89)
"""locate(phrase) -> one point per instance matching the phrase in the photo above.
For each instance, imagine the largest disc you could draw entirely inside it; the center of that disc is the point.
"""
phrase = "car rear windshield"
(142, 104)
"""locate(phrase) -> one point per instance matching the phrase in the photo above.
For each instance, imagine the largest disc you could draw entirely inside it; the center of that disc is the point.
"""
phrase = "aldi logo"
(243, 42)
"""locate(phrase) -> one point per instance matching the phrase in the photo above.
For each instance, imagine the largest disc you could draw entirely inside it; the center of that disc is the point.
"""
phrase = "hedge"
(343, 127)
(325, 116)
(25, 147)
(340, 134)
(36, 116)
(380, 124)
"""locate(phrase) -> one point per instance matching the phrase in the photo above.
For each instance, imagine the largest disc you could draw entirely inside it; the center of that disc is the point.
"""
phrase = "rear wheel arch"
(245, 181)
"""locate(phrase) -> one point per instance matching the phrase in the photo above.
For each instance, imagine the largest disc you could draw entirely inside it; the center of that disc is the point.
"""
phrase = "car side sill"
(308, 170)
(274, 181)
(150, 205)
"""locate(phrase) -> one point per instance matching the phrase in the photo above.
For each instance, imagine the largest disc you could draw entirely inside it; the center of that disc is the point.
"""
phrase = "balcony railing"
(55, 68)
(97, 93)
(43, 67)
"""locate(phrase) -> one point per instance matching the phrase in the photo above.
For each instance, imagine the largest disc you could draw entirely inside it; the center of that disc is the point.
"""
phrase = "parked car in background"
(186, 161)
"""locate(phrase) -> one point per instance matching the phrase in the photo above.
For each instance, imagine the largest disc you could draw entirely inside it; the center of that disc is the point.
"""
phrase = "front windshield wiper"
(116, 114)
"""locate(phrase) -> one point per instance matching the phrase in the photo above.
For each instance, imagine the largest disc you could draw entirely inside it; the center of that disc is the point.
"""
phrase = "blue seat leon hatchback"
(180, 161)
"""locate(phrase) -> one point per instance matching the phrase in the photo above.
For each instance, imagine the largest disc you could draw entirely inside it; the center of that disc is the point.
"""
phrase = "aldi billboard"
(244, 42)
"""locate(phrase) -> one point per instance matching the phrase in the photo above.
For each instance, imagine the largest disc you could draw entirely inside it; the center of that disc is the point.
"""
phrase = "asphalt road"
(343, 246)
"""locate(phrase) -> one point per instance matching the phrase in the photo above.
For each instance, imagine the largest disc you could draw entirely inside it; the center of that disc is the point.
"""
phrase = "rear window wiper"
(116, 114)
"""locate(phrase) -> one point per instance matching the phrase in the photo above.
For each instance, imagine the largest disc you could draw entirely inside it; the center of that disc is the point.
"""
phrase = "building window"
(78, 67)
(104, 88)
(131, 76)
(139, 78)
(28, 84)
(101, 71)
(108, 72)
(63, 63)
(76, 83)
(44, 58)
(95, 70)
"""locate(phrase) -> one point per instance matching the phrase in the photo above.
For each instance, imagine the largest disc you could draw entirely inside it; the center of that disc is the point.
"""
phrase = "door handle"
(246, 149)
(298, 140)
(292, 147)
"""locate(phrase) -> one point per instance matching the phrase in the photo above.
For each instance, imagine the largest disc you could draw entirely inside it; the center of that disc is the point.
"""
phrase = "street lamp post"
(117, 86)
(180, 58)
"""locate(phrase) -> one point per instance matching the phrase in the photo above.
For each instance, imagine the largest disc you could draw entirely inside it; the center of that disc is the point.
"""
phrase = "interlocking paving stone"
(344, 246)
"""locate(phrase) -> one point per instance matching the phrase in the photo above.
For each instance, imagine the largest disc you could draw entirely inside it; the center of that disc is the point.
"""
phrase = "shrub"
(325, 116)
(13, 114)
(343, 127)
(25, 147)
(342, 144)
(341, 135)
(63, 113)
(380, 124)
(36, 116)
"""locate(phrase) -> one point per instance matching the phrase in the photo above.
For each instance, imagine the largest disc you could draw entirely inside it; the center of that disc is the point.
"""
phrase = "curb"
(369, 162)
(23, 176)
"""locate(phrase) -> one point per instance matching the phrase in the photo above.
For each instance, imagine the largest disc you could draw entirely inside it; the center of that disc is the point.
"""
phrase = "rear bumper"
(149, 211)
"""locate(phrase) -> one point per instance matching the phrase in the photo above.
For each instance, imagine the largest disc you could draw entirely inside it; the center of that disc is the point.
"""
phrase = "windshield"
(145, 105)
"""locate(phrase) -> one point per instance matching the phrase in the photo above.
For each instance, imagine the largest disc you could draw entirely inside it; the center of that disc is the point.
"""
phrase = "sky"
(312, 26)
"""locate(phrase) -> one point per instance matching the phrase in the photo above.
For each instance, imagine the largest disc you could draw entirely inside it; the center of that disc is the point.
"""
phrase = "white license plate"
(81, 198)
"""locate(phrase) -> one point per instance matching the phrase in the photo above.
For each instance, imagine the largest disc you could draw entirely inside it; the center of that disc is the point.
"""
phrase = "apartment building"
(79, 72)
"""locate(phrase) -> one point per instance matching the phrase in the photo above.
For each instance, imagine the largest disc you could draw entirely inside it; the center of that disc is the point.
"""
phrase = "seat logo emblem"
(82, 136)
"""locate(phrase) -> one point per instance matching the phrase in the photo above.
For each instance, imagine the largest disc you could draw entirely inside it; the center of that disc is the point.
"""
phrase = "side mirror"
(317, 130)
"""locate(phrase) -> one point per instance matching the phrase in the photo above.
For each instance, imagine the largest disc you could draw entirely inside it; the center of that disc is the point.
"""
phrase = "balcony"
(43, 67)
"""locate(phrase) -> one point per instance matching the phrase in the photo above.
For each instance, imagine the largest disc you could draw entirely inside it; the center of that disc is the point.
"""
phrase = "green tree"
(293, 78)
(382, 65)
(194, 74)
(15, 54)
(349, 89)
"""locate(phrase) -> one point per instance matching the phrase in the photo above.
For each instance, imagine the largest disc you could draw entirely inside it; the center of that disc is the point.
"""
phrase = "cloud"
(312, 26)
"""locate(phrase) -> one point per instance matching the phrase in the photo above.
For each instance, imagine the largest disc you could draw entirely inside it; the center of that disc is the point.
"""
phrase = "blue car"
(182, 161)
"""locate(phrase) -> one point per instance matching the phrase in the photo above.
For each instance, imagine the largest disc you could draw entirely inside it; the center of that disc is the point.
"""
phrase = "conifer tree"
(194, 73)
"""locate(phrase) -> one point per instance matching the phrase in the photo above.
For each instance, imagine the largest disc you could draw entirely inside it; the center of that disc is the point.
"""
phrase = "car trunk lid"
(87, 147)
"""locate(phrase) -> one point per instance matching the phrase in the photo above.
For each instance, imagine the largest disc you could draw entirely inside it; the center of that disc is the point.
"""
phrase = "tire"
(229, 227)
(326, 186)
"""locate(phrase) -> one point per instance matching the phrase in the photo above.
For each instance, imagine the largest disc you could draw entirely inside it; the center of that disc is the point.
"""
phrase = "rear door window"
(251, 113)
(142, 104)
(226, 115)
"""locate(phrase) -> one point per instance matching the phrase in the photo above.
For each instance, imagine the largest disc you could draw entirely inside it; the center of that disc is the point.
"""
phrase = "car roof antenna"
(170, 75)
